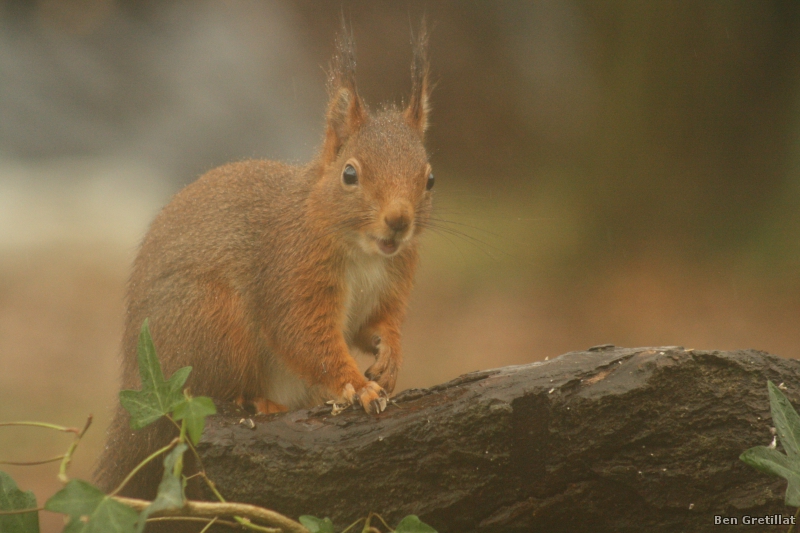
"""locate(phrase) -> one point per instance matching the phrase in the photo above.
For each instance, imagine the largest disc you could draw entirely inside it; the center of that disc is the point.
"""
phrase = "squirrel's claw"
(347, 398)
(372, 397)
(378, 406)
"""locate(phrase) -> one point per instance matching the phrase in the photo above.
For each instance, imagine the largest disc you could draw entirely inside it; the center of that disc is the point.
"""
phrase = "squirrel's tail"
(125, 449)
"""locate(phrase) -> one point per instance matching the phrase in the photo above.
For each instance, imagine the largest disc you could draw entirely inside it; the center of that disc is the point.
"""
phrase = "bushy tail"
(125, 449)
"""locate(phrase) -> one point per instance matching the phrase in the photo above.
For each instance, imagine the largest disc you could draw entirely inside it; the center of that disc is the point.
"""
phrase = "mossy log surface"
(606, 440)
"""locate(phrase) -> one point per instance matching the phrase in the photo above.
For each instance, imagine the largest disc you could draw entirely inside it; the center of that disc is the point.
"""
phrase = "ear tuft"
(346, 111)
(416, 114)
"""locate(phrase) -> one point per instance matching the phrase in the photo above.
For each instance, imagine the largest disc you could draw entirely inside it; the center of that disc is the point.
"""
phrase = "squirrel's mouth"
(387, 246)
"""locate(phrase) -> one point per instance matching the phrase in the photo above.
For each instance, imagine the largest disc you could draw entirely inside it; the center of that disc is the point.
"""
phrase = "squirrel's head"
(376, 180)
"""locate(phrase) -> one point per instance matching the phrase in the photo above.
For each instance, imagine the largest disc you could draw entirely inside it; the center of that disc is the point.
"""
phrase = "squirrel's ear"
(416, 113)
(346, 110)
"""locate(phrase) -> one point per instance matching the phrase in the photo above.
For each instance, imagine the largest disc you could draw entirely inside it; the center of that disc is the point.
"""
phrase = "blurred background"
(619, 172)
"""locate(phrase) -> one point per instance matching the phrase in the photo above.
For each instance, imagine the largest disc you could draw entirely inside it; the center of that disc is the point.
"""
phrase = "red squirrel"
(263, 277)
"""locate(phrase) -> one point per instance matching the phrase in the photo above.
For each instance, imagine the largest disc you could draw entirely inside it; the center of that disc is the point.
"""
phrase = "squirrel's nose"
(398, 217)
(397, 222)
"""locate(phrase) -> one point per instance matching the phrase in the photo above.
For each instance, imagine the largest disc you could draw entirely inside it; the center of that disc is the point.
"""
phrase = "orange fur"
(262, 276)
(267, 407)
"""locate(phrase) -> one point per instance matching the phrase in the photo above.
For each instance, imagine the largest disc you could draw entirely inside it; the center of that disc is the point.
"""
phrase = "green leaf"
(90, 510)
(158, 396)
(143, 407)
(170, 491)
(317, 525)
(194, 411)
(786, 420)
(13, 499)
(771, 461)
(412, 524)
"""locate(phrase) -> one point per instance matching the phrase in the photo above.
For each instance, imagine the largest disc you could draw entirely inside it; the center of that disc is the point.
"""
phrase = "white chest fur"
(366, 277)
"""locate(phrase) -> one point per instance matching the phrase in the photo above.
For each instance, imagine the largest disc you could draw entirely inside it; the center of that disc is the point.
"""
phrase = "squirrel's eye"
(349, 176)
(429, 185)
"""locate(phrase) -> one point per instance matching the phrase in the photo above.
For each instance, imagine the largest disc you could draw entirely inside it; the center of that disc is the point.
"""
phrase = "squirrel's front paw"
(371, 397)
(386, 366)
(384, 373)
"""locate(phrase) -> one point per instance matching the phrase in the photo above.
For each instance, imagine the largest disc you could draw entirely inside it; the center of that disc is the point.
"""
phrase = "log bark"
(610, 439)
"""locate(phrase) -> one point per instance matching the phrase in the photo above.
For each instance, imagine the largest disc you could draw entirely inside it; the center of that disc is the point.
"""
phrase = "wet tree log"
(610, 439)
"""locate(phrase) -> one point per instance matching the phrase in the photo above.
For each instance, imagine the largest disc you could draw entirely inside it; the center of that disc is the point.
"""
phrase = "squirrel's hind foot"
(261, 406)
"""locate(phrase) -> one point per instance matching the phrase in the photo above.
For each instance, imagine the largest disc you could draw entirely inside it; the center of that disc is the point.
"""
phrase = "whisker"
(478, 243)
(444, 221)
(443, 234)
(448, 239)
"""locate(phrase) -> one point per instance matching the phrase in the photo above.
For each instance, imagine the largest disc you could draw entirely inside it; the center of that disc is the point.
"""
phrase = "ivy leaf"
(158, 396)
(317, 525)
(13, 499)
(786, 420)
(170, 490)
(412, 524)
(194, 411)
(771, 461)
(90, 510)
